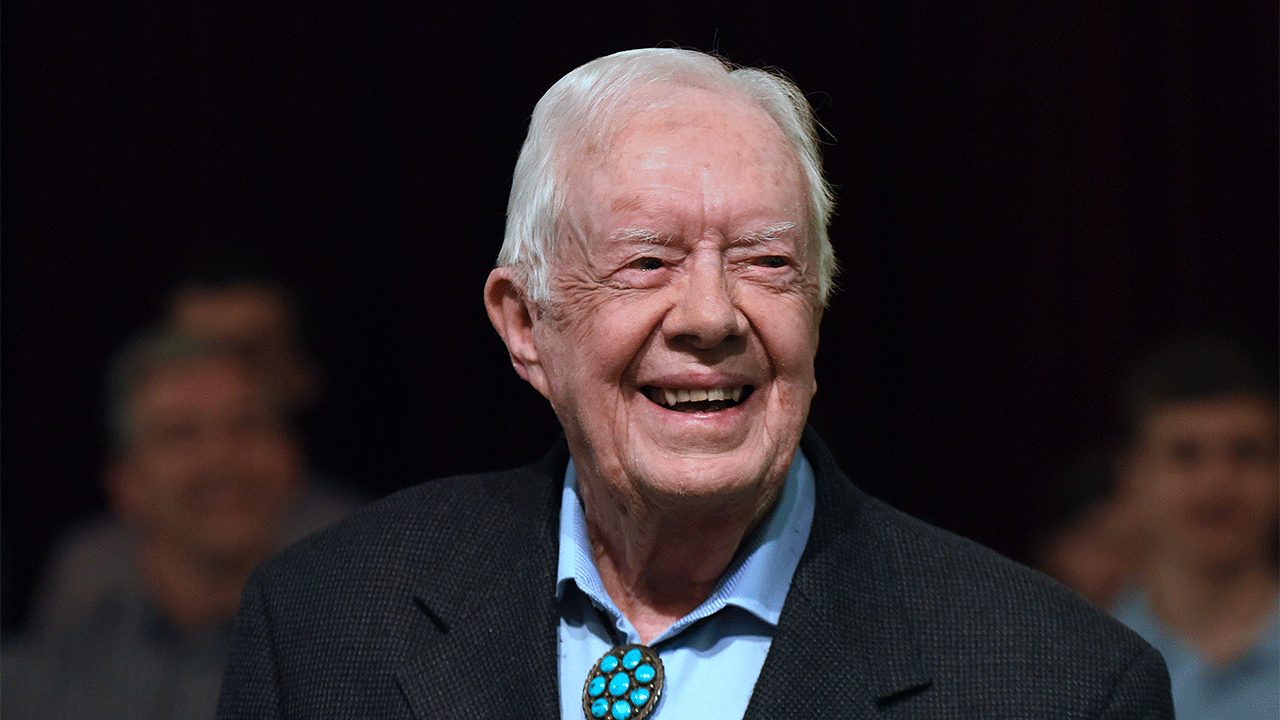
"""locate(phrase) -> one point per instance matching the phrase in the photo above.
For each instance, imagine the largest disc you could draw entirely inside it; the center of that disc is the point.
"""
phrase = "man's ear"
(513, 317)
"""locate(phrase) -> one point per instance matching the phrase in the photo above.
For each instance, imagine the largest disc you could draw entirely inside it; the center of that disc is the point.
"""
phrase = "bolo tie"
(624, 684)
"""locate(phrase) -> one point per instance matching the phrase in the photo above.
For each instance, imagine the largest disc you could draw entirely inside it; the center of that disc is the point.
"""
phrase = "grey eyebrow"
(639, 236)
(645, 236)
(766, 234)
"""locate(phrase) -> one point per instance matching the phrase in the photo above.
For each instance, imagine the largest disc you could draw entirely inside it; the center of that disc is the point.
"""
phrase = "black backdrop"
(1030, 193)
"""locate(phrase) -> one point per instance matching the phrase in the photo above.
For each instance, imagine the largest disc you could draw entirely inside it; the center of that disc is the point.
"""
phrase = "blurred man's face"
(678, 349)
(258, 324)
(1207, 477)
(211, 469)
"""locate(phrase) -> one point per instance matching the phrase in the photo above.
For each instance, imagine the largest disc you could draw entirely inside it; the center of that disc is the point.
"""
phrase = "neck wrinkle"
(657, 569)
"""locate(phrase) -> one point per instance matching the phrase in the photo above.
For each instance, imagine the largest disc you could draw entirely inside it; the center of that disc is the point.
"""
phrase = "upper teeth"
(699, 394)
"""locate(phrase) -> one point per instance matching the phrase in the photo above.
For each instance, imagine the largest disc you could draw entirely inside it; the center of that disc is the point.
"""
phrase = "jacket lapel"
(844, 645)
(496, 654)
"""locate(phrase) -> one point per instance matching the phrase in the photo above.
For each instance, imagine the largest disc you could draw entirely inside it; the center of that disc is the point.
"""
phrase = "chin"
(720, 477)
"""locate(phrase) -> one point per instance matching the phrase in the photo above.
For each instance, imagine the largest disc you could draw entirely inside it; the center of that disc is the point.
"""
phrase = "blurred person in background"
(1092, 541)
(231, 300)
(229, 297)
(204, 475)
(1202, 467)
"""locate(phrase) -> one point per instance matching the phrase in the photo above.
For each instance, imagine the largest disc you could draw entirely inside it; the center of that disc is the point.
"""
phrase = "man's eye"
(647, 263)
(772, 261)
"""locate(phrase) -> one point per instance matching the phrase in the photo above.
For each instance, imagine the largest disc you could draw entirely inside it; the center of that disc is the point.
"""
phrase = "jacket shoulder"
(913, 620)
(329, 625)
(403, 537)
(1014, 635)
(980, 588)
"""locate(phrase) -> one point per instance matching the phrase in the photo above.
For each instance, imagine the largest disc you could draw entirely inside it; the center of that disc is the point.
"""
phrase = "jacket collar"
(845, 645)
(493, 603)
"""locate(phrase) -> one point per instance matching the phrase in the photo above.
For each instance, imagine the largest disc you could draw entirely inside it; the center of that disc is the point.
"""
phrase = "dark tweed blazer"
(437, 602)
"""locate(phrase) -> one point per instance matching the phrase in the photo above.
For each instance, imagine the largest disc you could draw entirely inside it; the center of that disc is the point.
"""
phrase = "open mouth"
(697, 400)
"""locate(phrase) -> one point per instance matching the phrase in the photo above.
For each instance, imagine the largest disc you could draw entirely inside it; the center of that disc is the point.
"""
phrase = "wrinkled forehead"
(686, 135)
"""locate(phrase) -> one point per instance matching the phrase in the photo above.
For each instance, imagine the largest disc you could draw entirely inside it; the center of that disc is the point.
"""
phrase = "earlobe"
(513, 316)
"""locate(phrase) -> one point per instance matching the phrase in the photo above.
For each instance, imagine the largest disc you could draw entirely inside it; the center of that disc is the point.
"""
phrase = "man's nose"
(705, 312)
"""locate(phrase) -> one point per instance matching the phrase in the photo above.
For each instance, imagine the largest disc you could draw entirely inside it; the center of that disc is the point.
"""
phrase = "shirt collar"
(754, 579)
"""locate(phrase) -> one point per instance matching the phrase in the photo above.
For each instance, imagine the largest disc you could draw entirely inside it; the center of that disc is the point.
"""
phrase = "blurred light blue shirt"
(713, 655)
(1249, 687)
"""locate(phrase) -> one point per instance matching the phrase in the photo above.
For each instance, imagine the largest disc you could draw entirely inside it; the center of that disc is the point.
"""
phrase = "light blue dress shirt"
(1246, 689)
(713, 655)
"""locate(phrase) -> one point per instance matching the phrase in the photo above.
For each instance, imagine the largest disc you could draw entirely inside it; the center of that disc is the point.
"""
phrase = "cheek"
(1157, 494)
(165, 474)
(157, 496)
(1265, 491)
(791, 343)
(274, 466)
(600, 338)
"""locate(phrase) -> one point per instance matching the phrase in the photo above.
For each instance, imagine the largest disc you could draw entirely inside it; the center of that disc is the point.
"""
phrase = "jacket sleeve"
(250, 687)
(1142, 690)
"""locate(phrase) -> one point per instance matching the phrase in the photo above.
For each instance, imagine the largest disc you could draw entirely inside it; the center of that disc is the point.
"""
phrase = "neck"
(659, 565)
(194, 592)
(1216, 606)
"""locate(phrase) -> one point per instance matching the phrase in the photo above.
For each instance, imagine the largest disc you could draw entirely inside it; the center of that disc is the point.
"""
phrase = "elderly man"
(689, 550)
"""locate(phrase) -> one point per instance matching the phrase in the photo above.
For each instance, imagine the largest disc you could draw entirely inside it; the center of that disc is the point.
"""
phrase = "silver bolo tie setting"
(624, 684)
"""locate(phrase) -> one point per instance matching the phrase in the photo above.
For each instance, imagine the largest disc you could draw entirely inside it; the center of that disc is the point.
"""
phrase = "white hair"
(585, 107)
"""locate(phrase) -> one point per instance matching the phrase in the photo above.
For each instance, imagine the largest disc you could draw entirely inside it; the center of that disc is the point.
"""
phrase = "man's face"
(211, 469)
(678, 349)
(1207, 477)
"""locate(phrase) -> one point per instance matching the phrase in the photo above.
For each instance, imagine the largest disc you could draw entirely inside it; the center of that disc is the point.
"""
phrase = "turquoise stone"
(596, 687)
(625, 684)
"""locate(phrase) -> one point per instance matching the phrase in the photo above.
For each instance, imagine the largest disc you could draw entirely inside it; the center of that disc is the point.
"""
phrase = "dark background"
(1029, 195)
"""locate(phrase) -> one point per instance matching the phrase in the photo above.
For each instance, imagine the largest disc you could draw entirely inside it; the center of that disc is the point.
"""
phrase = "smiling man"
(689, 550)
(134, 618)
(1202, 469)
